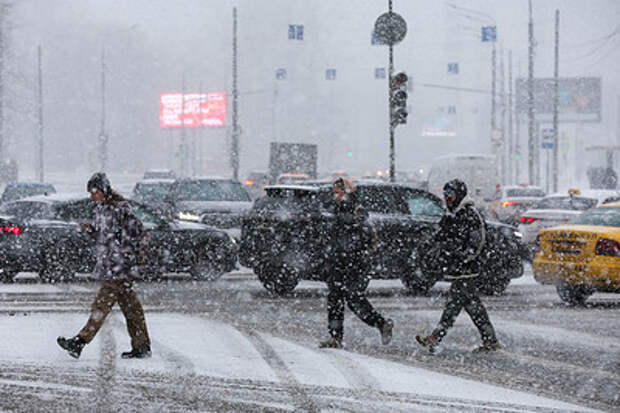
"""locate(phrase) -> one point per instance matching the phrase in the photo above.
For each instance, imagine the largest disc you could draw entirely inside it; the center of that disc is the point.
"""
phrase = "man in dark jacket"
(118, 234)
(351, 239)
(459, 242)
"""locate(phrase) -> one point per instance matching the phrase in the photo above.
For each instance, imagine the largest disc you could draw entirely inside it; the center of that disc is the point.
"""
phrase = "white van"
(478, 171)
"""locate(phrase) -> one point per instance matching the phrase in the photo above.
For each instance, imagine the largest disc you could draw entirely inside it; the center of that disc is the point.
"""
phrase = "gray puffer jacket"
(117, 234)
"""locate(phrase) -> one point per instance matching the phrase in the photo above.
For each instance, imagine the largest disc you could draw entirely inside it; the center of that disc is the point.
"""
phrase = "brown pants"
(109, 293)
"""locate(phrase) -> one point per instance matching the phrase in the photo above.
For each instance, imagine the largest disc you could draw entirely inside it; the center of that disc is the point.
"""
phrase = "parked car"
(285, 237)
(159, 174)
(42, 234)
(153, 192)
(215, 201)
(582, 256)
(17, 190)
(557, 209)
(291, 178)
(511, 201)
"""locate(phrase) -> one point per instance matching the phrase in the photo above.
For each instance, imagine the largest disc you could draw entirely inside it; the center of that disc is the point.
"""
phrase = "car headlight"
(188, 216)
(517, 234)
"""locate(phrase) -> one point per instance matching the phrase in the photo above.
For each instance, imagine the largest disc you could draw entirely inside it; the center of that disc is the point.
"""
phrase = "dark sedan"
(42, 234)
(285, 237)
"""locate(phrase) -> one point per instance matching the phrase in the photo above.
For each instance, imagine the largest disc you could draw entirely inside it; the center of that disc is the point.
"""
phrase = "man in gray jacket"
(459, 244)
(118, 234)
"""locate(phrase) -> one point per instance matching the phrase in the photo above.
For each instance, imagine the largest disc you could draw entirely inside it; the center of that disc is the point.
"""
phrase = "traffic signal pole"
(390, 100)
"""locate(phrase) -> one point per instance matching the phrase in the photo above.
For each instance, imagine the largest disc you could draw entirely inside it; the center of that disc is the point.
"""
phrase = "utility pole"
(183, 145)
(511, 141)
(390, 98)
(493, 90)
(40, 174)
(503, 145)
(103, 137)
(3, 10)
(234, 147)
(531, 149)
(556, 101)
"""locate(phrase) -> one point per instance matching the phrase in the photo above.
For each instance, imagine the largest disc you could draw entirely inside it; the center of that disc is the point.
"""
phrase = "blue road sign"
(380, 73)
(373, 39)
(291, 32)
(330, 74)
(453, 68)
(295, 31)
(547, 145)
(489, 33)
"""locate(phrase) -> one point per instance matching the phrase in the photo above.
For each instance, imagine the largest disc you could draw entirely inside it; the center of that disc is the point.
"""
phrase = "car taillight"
(526, 220)
(13, 230)
(606, 246)
(249, 182)
(506, 204)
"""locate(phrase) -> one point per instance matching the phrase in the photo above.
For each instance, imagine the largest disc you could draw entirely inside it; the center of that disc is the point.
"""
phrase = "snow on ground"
(188, 344)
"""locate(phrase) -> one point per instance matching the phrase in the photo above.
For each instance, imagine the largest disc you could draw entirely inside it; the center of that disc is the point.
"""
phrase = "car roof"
(206, 178)
(156, 181)
(45, 184)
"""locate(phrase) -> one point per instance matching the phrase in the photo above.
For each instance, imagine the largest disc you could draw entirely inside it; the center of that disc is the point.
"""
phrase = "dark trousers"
(346, 284)
(122, 292)
(464, 294)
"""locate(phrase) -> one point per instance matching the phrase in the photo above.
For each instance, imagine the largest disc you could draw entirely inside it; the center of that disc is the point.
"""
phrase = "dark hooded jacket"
(351, 234)
(461, 237)
(117, 234)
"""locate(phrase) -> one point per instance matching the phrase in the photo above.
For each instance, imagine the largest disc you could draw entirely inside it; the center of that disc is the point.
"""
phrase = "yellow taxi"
(582, 256)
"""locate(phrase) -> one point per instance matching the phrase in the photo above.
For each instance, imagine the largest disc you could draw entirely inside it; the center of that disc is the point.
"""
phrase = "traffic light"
(398, 99)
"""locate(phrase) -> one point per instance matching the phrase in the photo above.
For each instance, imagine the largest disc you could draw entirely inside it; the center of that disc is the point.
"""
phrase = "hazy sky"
(151, 46)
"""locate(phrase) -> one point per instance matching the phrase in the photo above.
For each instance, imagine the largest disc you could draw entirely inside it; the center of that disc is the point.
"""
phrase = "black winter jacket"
(351, 234)
(459, 242)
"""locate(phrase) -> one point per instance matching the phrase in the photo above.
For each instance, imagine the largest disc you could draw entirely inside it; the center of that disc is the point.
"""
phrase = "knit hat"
(99, 180)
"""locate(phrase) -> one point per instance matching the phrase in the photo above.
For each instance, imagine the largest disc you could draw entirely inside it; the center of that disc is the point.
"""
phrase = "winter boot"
(137, 353)
(73, 345)
(332, 342)
(386, 331)
(487, 347)
(429, 342)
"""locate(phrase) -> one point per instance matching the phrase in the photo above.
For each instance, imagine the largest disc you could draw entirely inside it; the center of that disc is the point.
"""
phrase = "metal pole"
(40, 175)
(493, 89)
(183, 145)
(390, 76)
(503, 145)
(3, 9)
(531, 149)
(234, 150)
(556, 101)
(511, 141)
(103, 138)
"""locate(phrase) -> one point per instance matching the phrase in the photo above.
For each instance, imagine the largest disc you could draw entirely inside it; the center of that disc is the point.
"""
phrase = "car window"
(146, 215)
(567, 202)
(382, 200)
(525, 192)
(608, 217)
(211, 190)
(288, 200)
(423, 205)
(78, 211)
(14, 192)
(152, 191)
(28, 210)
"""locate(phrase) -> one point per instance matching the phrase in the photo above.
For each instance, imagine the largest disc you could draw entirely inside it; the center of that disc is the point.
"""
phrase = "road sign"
(489, 33)
(453, 68)
(390, 28)
(548, 138)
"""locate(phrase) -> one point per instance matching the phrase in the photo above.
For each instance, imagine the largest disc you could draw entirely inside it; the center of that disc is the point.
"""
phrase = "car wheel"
(574, 294)
(276, 279)
(7, 275)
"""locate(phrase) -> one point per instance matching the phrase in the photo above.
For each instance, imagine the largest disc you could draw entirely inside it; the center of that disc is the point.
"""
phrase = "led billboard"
(192, 110)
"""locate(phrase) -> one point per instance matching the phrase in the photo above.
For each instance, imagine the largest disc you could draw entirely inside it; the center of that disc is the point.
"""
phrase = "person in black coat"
(351, 238)
(457, 254)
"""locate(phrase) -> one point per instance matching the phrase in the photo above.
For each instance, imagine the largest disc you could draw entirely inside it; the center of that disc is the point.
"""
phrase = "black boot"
(137, 353)
(73, 345)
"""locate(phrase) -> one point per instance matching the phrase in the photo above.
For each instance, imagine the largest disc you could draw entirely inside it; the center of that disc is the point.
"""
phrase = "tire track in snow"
(300, 398)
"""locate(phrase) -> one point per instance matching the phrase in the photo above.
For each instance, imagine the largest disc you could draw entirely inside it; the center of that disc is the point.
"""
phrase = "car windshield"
(211, 190)
(13, 192)
(525, 192)
(152, 191)
(607, 217)
(289, 200)
(573, 203)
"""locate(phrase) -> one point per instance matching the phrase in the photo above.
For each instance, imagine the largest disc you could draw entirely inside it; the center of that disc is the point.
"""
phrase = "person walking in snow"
(118, 235)
(458, 249)
(351, 239)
